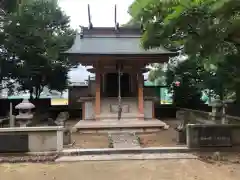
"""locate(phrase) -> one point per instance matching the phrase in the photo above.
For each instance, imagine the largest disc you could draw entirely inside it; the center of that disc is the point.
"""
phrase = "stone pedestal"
(66, 137)
(181, 136)
(216, 113)
(24, 120)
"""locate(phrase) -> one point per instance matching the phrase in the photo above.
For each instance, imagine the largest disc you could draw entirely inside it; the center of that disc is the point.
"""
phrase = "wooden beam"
(111, 59)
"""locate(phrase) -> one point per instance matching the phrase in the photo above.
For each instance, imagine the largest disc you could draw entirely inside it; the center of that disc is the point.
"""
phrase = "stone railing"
(200, 117)
(31, 139)
(3, 120)
(205, 116)
(198, 113)
(212, 135)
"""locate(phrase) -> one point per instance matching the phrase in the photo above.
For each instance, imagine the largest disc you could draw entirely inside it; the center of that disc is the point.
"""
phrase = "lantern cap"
(25, 104)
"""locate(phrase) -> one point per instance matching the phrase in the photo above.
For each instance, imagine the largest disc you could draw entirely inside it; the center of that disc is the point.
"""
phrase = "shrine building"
(118, 61)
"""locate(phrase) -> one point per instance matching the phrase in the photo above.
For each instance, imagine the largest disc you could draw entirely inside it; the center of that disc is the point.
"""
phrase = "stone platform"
(91, 126)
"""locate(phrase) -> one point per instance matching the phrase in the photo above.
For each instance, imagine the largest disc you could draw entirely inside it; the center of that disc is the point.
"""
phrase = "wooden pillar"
(131, 83)
(103, 83)
(153, 110)
(140, 96)
(83, 111)
(98, 94)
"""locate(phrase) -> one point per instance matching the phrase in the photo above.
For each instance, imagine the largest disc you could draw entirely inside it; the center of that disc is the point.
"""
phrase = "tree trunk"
(31, 93)
(238, 94)
(37, 93)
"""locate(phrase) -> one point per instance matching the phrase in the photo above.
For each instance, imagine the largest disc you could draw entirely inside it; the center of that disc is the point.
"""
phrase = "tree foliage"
(9, 6)
(181, 23)
(206, 31)
(157, 74)
(34, 40)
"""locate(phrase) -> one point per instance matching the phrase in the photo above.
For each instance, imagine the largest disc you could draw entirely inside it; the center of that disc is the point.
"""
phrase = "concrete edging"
(67, 152)
(109, 151)
(32, 129)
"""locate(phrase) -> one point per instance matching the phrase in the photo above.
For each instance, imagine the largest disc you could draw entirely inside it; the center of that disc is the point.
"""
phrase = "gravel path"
(124, 140)
(173, 169)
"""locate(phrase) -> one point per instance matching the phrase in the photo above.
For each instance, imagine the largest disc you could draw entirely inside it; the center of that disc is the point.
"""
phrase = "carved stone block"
(114, 108)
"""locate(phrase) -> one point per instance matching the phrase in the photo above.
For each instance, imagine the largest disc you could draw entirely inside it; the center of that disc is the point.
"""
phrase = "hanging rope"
(119, 111)
(119, 93)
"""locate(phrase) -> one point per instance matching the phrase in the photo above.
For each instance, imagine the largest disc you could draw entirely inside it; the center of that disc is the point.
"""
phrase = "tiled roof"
(110, 41)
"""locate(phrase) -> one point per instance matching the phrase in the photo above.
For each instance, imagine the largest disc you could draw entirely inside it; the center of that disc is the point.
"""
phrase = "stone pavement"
(114, 157)
(124, 140)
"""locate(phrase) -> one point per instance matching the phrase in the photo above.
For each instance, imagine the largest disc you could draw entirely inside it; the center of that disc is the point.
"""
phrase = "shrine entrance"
(112, 85)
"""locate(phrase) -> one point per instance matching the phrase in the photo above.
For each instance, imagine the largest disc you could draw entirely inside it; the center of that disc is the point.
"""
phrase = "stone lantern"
(25, 114)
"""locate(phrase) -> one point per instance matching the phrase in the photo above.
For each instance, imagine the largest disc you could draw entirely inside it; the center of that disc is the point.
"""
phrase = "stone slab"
(14, 143)
(68, 152)
(33, 139)
(115, 157)
(103, 124)
(212, 135)
(46, 141)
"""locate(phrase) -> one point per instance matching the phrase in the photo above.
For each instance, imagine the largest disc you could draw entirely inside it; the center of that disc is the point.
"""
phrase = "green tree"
(7, 6)
(205, 30)
(34, 40)
(189, 75)
(6, 63)
(180, 24)
(157, 74)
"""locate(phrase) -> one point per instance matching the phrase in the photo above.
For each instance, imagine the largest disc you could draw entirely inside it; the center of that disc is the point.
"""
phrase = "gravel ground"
(124, 170)
(124, 140)
(162, 138)
(85, 141)
(89, 141)
(8, 158)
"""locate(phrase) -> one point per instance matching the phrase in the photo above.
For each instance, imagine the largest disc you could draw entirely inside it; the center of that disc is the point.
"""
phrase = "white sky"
(102, 15)
(102, 11)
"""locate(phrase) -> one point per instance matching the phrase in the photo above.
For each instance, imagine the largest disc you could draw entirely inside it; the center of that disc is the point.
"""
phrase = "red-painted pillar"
(98, 94)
